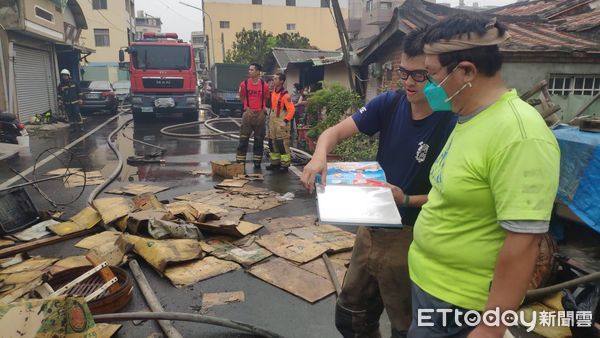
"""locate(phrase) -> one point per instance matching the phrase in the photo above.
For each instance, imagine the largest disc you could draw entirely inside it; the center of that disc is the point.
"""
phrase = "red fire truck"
(163, 77)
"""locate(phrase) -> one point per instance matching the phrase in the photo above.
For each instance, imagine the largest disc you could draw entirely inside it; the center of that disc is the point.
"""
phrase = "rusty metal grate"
(106, 302)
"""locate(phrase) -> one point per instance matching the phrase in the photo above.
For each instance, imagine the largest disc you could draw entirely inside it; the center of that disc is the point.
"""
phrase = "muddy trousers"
(253, 122)
(279, 132)
(377, 278)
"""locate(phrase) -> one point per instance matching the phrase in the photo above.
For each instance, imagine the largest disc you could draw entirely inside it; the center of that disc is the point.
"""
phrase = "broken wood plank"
(335, 239)
(246, 256)
(231, 183)
(85, 219)
(159, 253)
(291, 247)
(282, 223)
(136, 189)
(68, 263)
(189, 273)
(145, 202)
(98, 239)
(35, 232)
(293, 279)
(76, 179)
(220, 298)
(112, 208)
(34, 263)
(15, 249)
(250, 177)
(318, 267)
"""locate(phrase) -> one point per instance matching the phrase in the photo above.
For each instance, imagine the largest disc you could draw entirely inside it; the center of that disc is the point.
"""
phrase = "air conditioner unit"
(375, 70)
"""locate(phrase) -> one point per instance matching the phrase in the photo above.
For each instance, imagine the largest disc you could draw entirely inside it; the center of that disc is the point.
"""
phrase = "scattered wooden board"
(189, 273)
(318, 268)
(76, 179)
(34, 263)
(332, 237)
(282, 223)
(112, 208)
(6, 242)
(246, 256)
(85, 219)
(62, 171)
(145, 202)
(69, 263)
(136, 189)
(232, 183)
(211, 299)
(242, 229)
(159, 253)
(202, 172)
(98, 239)
(293, 279)
(36, 231)
(291, 247)
(250, 177)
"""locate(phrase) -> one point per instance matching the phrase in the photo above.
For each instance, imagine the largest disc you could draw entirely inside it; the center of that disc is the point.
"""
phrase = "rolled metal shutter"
(36, 90)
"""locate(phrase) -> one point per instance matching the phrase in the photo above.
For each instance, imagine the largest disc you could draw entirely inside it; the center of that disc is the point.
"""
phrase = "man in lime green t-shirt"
(493, 186)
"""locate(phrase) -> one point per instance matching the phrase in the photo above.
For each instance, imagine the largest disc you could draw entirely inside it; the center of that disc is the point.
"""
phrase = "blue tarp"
(579, 186)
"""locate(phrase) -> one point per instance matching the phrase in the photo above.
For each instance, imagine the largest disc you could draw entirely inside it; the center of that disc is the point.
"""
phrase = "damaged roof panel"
(285, 56)
(573, 16)
(527, 33)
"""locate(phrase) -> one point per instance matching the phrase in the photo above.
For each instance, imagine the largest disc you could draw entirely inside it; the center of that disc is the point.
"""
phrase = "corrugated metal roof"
(285, 56)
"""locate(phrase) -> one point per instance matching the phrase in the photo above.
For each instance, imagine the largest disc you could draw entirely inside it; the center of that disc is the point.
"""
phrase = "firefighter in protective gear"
(254, 93)
(282, 112)
(69, 97)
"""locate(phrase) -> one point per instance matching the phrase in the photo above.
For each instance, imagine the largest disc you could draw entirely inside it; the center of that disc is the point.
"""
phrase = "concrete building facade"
(312, 19)
(145, 22)
(38, 38)
(111, 25)
(198, 40)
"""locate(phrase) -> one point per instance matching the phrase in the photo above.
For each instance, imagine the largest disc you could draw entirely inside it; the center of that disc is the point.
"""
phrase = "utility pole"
(223, 45)
(345, 42)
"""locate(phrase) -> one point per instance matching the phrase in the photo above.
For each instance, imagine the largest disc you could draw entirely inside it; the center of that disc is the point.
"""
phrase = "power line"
(102, 15)
(177, 13)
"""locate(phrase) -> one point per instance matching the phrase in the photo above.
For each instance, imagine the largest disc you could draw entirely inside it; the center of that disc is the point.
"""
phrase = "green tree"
(255, 46)
(250, 46)
(292, 40)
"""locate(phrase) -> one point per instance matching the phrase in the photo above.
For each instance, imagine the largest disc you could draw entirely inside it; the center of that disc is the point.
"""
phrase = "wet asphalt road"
(265, 306)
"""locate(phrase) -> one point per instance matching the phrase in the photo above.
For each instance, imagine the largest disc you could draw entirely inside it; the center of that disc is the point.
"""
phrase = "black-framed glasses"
(418, 75)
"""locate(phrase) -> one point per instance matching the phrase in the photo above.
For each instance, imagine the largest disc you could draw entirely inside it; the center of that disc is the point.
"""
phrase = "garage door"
(36, 92)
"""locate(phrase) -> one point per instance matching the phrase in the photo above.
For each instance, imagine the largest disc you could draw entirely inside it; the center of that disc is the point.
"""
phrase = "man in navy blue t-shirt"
(410, 138)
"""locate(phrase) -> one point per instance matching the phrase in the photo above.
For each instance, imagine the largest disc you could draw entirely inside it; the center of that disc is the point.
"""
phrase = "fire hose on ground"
(162, 316)
(217, 132)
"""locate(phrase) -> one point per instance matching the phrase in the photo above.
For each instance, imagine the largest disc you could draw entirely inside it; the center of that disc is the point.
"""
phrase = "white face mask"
(468, 84)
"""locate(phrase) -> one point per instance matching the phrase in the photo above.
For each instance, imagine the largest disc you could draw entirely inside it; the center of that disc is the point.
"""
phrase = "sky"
(183, 20)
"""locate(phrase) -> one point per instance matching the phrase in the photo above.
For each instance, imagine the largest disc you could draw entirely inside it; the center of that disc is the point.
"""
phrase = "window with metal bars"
(565, 84)
(102, 37)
